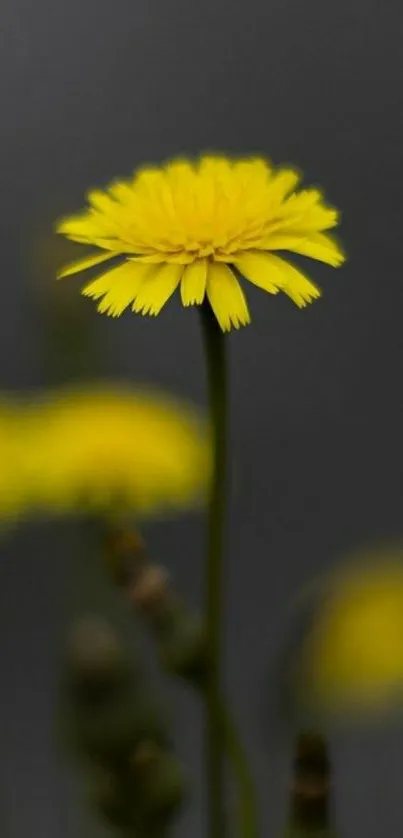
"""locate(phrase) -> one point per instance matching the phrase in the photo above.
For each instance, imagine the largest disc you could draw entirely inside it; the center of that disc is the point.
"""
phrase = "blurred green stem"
(214, 345)
(221, 732)
(247, 803)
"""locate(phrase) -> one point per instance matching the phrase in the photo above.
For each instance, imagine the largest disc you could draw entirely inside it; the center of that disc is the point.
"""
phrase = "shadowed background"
(88, 91)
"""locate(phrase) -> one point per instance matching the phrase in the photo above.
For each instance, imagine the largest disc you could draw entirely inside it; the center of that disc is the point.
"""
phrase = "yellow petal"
(274, 274)
(226, 297)
(253, 173)
(321, 247)
(282, 183)
(116, 244)
(292, 281)
(101, 201)
(117, 287)
(193, 283)
(304, 213)
(157, 258)
(82, 264)
(81, 228)
(157, 289)
(150, 258)
(257, 267)
(316, 245)
(121, 191)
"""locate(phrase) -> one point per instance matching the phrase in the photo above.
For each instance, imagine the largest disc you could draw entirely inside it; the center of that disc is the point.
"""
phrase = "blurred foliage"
(113, 723)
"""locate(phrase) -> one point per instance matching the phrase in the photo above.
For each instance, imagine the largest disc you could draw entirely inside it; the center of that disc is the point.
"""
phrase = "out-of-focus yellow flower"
(96, 447)
(352, 658)
(13, 473)
(198, 227)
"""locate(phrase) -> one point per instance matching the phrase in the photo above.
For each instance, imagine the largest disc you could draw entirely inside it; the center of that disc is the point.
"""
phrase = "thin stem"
(247, 803)
(214, 343)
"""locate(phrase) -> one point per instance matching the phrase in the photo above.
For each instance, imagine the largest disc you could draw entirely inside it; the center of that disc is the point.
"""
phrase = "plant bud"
(150, 590)
(182, 645)
(145, 756)
(96, 660)
(125, 554)
(109, 732)
(162, 787)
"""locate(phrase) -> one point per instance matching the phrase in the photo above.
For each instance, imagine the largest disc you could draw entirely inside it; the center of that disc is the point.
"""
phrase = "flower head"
(351, 659)
(200, 227)
(94, 447)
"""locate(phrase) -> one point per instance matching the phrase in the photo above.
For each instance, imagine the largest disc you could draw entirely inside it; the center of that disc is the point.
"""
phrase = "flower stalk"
(214, 345)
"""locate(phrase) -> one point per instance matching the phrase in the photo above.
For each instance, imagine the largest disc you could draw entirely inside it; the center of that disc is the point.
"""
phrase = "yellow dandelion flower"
(200, 227)
(353, 656)
(96, 447)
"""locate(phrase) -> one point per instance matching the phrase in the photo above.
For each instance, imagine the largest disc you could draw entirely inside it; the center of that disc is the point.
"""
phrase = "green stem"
(214, 342)
(247, 803)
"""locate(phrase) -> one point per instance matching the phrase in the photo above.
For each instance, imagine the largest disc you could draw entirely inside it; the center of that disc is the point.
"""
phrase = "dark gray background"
(90, 89)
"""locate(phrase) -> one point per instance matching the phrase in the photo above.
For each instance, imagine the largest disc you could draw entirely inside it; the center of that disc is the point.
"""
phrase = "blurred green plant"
(113, 722)
(180, 640)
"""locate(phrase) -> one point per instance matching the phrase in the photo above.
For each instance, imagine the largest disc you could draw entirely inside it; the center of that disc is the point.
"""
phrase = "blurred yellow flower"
(199, 227)
(352, 658)
(99, 446)
(13, 476)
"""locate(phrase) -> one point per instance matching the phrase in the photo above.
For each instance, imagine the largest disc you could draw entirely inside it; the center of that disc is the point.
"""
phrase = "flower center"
(200, 249)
